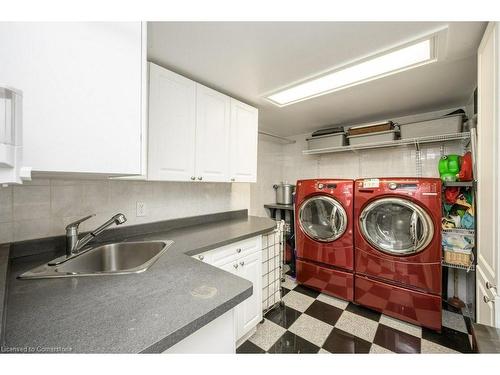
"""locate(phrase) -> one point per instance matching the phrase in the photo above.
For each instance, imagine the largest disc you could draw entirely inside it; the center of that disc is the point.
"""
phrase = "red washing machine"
(324, 235)
(398, 248)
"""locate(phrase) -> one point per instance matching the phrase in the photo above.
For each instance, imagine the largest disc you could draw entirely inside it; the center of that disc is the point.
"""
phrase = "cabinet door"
(212, 135)
(488, 238)
(172, 122)
(82, 88)
(250, 310)
(243, 142)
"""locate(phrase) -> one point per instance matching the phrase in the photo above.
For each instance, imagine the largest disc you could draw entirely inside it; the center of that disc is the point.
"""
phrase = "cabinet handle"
(490, 285)
(193, 178)
(201, 257)
(200, 178)
(242, 264)
(233, 179)
(235, 265)
(487, 299)
(238, 250)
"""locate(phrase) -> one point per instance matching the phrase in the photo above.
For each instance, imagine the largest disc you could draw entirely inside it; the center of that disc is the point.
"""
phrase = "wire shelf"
(458, 183)
(400, 142)
(459, 231)
(458, 266)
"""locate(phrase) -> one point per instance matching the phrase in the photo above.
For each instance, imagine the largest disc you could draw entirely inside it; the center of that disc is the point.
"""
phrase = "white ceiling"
(248, 59)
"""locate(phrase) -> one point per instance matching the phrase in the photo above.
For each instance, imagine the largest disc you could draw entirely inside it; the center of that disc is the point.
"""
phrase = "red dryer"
(398, 248)
(324, 235)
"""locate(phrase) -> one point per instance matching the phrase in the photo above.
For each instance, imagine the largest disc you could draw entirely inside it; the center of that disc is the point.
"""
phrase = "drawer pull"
(235, 265)
(242, 264)
(201, 257)
(238, 250)
(490, 285)
(487, 299)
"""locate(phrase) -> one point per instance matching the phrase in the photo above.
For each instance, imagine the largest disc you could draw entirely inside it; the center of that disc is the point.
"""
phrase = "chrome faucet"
(74, 245)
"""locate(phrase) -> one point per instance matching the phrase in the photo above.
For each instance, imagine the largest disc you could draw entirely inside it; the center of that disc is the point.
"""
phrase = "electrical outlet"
(140, 209)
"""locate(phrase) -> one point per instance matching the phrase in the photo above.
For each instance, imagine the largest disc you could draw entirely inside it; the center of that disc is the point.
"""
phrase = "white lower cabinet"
(243, 259)
(217, 337)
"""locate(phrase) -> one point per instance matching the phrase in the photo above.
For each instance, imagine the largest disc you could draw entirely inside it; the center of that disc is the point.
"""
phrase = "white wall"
(270, 167)
(43, 207)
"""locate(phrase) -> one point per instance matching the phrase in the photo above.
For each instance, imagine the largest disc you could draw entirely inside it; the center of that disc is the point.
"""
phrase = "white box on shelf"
(439, 126)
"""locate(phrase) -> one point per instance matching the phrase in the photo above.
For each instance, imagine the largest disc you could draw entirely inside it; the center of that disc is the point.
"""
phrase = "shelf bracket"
(418, 159)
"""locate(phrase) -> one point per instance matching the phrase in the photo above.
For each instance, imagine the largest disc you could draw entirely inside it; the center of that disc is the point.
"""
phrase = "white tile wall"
(270, 165)
(43, 207)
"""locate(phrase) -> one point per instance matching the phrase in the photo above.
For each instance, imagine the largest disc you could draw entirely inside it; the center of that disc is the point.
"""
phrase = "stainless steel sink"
(110, 259)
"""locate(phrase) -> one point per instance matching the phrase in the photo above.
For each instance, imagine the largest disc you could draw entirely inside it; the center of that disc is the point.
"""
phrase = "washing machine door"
(396, 226)
(322, 218)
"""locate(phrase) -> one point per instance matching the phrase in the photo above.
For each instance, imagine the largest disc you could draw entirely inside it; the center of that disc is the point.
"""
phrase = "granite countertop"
(146, 312)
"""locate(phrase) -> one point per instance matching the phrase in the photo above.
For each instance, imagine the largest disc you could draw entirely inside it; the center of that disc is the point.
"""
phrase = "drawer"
(401, 303)
(233, 251)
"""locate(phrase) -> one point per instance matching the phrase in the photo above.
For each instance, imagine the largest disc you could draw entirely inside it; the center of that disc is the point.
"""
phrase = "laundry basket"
(272, 266)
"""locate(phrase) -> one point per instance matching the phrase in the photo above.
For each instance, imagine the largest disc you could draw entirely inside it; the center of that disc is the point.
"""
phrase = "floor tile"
(284, 291)
(337, 302)
(342, 342)
(401, 325)
(454, 321)
(396, 341)
(249, 348)
(376, 349)
(284, 316)
(357, 325)
(297, 301)
(363, 311)
(311, 329)
(267, 334)
(324, 312)
(289, 282)
(449, 338)
(307, 291)
(429, 347)
(291, 343)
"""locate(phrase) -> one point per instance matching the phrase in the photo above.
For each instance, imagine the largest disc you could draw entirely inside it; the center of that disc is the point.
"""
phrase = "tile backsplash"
(43, 207)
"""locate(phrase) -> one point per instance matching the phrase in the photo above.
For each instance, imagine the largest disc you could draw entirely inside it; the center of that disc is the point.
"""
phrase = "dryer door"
(396, 226)
(322, 218)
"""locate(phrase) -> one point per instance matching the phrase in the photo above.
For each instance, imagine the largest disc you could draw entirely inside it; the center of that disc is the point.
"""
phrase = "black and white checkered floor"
(312, 322)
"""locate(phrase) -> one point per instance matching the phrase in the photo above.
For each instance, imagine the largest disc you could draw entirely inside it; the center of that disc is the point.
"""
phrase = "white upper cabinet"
(82, 89)
(243, 142)
(212, 134)
(172, 123)
(198, 134)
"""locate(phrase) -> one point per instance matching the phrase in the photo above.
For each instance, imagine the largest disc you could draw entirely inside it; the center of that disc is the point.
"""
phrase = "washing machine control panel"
(321, 186)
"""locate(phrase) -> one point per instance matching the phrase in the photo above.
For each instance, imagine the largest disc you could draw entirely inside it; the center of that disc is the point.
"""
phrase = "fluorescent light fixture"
(388, 63)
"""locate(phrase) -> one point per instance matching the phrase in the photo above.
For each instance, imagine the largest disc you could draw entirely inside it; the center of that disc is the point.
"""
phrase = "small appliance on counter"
(284, 193)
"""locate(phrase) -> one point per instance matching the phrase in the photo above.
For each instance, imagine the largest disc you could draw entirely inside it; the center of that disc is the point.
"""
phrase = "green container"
(449, 166)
